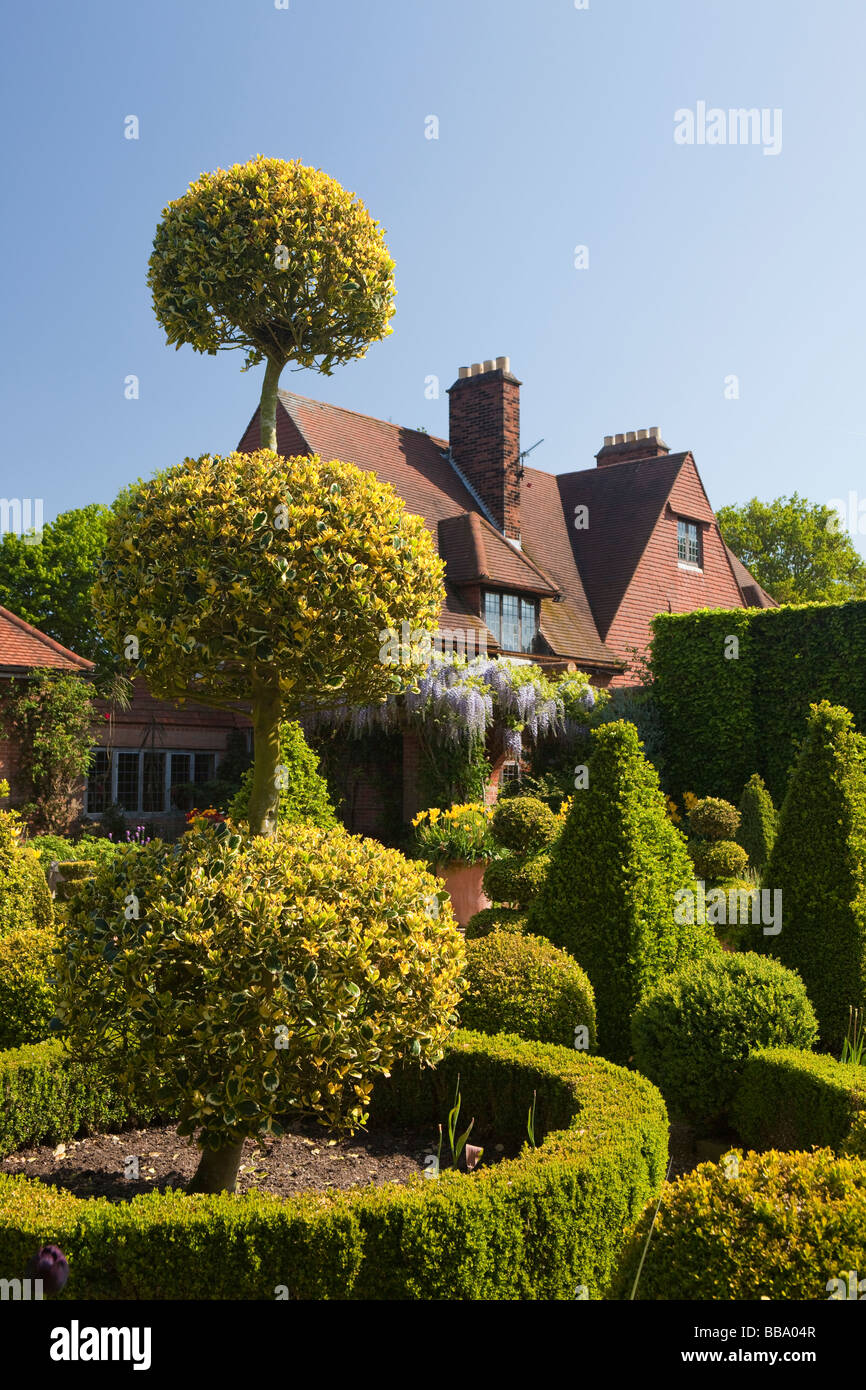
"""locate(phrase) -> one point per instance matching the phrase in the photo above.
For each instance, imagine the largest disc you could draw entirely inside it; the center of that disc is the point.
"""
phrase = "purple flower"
(49, 1264)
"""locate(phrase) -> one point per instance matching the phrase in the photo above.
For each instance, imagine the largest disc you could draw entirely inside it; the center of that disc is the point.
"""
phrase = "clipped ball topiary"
(757, 830)
(714, 819)
(515, 880)
(26, 995)
(718, 858)
(523, 824)
(777, 1226)
(489, 919)
(693, 1033)
(523, 985)
(236, 978)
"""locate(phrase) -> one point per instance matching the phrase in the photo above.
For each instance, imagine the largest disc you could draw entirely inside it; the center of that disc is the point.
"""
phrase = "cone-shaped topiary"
(757, 822)
(304, 797)
(819, 863)
(25, 899)
(609, 897)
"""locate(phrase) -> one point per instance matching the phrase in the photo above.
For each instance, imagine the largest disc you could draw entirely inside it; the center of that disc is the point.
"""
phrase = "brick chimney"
(628, 448)
(484, 435)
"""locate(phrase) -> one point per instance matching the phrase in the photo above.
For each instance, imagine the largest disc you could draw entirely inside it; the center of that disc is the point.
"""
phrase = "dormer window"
(689, 544)
(512, 619)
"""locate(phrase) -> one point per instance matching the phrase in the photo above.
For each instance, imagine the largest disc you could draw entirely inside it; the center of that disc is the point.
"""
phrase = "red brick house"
(142, 753)
(566, 568)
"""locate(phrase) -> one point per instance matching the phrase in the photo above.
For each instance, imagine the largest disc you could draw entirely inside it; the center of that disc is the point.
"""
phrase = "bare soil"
(303, 1160)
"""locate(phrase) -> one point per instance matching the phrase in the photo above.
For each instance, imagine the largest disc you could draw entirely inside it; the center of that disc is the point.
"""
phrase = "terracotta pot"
(463, 882)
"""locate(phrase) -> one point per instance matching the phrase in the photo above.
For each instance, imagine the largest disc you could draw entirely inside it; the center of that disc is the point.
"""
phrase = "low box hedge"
(46, 1097)
(534, 1227)
(791, 1099)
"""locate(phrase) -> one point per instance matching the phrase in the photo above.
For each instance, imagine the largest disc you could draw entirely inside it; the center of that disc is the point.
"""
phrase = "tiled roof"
(475, 552)
(624, 502)
(24, 648)
(753, 595)
(417, 466)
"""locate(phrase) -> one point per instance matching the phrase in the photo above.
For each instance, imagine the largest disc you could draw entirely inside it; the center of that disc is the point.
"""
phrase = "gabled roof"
(417, 466)
(24, 648)
(624, 503)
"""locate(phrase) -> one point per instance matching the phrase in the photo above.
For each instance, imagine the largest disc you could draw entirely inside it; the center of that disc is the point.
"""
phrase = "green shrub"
(259, 975)
(714, 819)
(523, 824)
(523, 985)
(718, 858)
(742, 934)
(515, 880)
(46, 1097)
(26, 996)
(57, 848)
(609, 897)
(787, 1225)
(791, 1099)
(304, 800)
(42, 904)
(489, 919)
(818, 862)
(694, 1031)
(24, 897)
(757, 822)
(531, 1228)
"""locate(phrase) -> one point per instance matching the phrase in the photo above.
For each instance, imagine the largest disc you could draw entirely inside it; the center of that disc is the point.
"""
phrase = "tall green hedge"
(610, 895)
(725, 719)
(534, 1227)
(818, 861)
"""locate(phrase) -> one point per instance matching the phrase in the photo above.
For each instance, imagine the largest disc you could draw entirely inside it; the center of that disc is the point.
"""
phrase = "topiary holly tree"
(277, 259)
(258, 580)
(233, 981)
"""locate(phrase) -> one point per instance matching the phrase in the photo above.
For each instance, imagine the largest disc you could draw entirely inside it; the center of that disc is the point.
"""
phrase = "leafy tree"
(258, 979)
(258, 579)
(610, 894)
(49, 584)
(795, 549)
(277, 259)
(49, 716)
(818, 861)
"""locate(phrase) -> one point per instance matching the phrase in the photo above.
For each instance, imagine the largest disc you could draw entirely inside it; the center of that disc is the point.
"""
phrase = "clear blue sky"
(556, 129)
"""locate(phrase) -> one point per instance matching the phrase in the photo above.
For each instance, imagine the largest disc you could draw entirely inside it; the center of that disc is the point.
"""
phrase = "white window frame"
(166, 799)
(696, 566)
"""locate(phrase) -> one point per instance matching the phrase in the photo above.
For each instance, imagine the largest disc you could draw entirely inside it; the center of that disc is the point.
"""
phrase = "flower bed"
(535, 1227)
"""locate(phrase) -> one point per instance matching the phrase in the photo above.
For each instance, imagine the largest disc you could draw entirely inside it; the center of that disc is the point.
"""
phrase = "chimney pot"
(608, 440)
(476, 369)
(630, 437)
(489, 365)
(643, 434)
(655, 432)
(619, 439)
(503, 364)
(463, 371)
